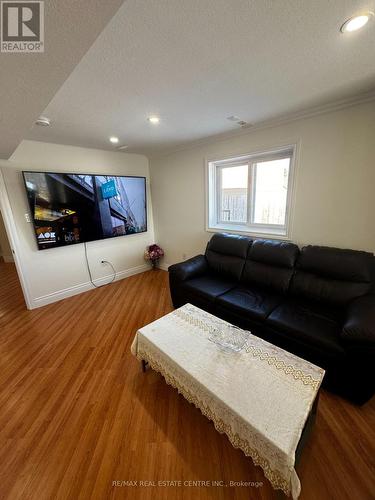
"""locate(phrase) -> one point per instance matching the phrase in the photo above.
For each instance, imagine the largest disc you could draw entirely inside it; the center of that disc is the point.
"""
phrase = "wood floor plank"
(78, 414)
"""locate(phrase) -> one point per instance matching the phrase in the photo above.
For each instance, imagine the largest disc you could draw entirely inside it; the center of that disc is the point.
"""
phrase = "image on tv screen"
(74, 208)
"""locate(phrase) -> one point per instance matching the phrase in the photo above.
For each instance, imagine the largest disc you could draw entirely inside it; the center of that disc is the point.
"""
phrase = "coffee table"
(263, 398)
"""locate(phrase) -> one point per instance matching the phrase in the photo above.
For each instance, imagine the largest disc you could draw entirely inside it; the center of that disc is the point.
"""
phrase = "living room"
(187, 298)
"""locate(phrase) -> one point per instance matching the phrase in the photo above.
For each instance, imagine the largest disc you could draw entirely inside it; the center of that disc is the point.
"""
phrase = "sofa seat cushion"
(309, 323)
(208, 286)
(249, 301)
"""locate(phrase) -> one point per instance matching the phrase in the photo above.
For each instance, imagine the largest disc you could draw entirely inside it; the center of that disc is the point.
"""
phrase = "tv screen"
(75, 208)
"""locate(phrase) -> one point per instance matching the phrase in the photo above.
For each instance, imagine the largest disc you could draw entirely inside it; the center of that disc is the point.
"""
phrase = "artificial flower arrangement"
(153, 253)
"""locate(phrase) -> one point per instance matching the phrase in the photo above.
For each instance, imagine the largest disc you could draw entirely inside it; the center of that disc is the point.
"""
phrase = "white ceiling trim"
(274, 122)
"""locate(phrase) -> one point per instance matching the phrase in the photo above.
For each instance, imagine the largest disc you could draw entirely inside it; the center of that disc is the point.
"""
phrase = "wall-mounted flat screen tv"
(75, 208)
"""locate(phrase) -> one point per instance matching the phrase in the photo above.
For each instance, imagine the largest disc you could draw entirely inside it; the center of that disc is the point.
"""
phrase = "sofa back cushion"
(332, 275)
(270, 264)
(226, 254)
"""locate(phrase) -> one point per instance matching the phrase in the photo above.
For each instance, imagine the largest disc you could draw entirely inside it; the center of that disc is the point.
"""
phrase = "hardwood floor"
(77, 413)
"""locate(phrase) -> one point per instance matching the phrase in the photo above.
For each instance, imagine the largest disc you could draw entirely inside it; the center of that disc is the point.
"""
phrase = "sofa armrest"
(359, 326)
(188, 269)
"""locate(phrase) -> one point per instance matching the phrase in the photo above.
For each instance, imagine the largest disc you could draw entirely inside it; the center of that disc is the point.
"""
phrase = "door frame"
(10, 227)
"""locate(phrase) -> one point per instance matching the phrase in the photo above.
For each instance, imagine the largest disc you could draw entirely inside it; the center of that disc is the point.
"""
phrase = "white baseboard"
(164, 266)
(85, 287)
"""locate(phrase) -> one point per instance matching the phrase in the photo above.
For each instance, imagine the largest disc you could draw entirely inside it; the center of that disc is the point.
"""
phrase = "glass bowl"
(229, 337)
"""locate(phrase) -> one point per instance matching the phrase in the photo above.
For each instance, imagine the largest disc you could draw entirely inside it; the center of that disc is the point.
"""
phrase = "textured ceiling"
(29, 81)
(197, 62)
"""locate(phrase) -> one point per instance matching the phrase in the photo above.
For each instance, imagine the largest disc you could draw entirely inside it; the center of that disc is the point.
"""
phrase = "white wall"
(5, 250)
(59, 272)
(334, 192)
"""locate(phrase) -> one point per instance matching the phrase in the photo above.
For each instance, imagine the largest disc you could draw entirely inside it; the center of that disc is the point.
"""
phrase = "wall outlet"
(27, 217)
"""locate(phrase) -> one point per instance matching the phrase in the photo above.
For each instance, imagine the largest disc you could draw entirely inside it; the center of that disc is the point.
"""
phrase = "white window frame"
(213, 194)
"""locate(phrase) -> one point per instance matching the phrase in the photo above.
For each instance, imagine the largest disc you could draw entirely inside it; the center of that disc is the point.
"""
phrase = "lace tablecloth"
(259, 397)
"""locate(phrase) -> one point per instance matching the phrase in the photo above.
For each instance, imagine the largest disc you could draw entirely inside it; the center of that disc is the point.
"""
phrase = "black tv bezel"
(82, 173)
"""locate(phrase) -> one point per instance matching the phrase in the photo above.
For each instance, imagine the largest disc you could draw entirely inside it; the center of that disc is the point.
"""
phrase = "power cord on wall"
(103, 262)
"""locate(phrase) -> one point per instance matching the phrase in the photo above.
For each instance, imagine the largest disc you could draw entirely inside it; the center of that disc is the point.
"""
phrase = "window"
(252, 193)
(233, 182)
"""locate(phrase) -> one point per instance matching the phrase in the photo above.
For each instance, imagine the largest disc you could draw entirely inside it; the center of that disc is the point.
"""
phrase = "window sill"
(275, 234)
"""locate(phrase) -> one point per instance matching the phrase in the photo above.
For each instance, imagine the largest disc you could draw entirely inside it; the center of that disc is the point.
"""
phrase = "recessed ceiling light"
(43, 121)
(114, 140)
(153, 119)
(357, 22)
